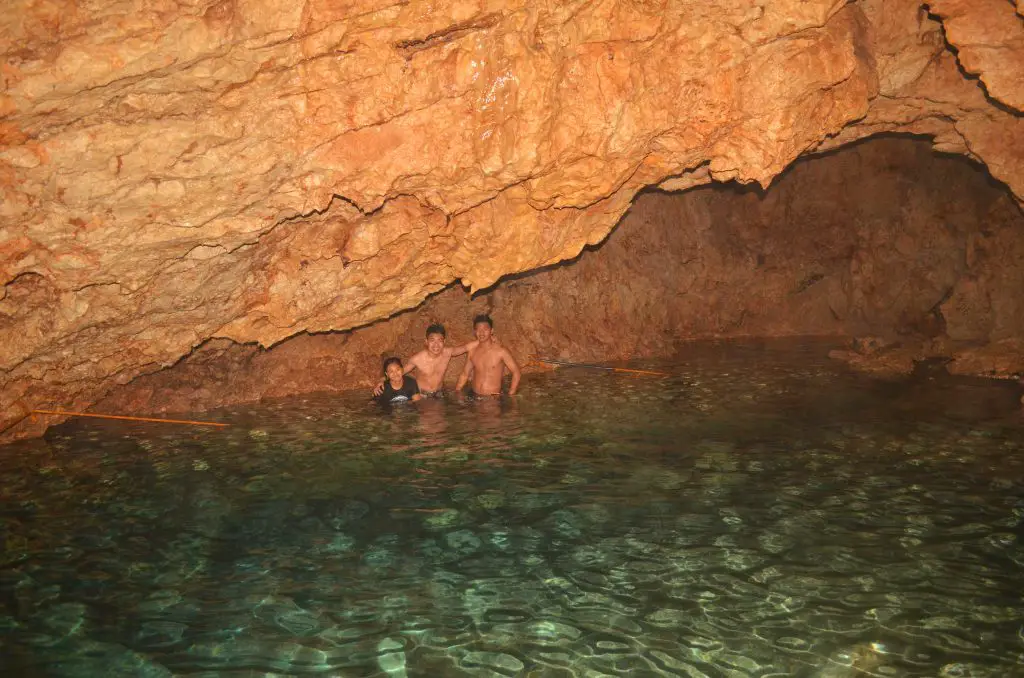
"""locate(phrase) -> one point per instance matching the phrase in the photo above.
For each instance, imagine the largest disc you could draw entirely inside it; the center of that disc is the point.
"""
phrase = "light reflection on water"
(759, 513)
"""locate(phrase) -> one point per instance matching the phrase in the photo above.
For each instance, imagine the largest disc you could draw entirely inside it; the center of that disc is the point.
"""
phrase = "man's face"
(394, 372)
(435, 344)
(482, 331)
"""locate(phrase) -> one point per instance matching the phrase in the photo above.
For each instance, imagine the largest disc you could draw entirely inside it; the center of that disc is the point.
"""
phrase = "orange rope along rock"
(117, 416)
(565, 363)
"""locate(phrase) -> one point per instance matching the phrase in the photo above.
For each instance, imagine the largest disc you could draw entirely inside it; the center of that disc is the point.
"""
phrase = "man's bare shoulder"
(505, 353)
(418, 357)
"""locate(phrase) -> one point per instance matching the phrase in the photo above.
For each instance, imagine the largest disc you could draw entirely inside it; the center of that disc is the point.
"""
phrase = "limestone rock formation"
(875, 241)
(989, 41)
(250, 170)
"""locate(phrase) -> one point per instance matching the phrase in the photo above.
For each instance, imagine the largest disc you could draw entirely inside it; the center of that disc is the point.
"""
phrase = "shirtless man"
(432, 362)
(487, 362)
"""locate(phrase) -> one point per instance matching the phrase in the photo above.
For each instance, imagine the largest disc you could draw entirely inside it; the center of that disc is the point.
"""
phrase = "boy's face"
(482, 331)
(394, 372)
(435, 344)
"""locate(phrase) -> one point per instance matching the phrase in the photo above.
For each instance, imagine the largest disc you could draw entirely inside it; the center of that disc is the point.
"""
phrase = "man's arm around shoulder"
(465, 348)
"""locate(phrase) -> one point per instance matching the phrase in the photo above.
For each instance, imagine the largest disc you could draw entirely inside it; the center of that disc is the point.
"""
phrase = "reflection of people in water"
(432, 420)
(487, 362)
(488, 411)
(398, 388)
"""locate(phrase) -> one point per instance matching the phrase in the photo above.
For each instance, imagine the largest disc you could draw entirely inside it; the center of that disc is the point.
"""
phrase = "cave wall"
(885, 238)
(869, 240)
(252, 170)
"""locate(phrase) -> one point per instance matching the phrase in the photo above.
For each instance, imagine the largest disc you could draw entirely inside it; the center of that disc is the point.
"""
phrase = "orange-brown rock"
(871, 240)
(1002, 359)
(988, 36)
(248, 171)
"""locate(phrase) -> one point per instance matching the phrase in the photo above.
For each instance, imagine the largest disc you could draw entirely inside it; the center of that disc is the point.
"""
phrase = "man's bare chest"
(431, 364)
(487, 360)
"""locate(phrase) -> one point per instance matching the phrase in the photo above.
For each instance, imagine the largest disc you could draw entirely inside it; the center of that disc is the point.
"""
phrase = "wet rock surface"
(225, 170)
(916, 254)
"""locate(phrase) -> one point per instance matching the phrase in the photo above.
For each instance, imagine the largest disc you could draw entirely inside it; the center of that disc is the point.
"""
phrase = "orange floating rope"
(541, 365)
(565, 363)
(650, 372)
(117, 416)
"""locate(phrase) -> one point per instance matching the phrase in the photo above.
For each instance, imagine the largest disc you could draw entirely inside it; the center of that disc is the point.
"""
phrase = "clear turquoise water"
(762, 512)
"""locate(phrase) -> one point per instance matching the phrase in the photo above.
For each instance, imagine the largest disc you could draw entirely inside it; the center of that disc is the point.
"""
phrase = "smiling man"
(432, 362)
(487, 362)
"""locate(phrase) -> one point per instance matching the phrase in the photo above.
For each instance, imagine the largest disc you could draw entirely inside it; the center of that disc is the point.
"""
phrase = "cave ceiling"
(250, 170)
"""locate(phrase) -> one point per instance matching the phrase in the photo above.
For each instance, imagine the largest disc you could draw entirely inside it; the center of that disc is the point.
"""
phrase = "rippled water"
(759, 513)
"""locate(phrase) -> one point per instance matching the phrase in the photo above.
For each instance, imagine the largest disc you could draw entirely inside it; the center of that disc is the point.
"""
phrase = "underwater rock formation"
(245, 172)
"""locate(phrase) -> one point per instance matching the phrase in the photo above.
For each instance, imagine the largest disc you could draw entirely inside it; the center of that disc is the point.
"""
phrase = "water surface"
(760, 512)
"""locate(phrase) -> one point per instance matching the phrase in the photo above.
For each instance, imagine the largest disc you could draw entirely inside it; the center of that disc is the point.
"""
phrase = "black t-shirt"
(390, 395)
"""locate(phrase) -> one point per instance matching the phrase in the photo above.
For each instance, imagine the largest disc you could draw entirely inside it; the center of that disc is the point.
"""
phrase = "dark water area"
(759, 512)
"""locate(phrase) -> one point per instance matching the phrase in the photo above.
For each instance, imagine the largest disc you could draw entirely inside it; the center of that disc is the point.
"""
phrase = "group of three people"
(484, 370)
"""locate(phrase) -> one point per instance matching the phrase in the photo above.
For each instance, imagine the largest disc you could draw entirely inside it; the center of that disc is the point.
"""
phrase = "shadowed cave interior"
(900, 253)
(760, 511)
(802, 218)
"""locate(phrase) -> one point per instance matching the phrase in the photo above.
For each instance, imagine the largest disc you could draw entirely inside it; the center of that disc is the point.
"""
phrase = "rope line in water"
(543, 362)
(565, 363)
(117, 416)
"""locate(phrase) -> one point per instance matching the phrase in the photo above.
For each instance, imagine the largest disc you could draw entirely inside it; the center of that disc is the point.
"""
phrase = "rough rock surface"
(872, 240)
(249, 170)
(989, 40)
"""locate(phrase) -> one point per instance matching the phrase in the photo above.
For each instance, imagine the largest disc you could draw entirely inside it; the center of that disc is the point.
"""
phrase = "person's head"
(482, 326)
(435, 339)
(393, 369)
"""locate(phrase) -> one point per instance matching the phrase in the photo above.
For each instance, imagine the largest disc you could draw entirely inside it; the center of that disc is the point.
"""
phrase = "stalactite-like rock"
(249, 170)
(989, 40)
(915, 254)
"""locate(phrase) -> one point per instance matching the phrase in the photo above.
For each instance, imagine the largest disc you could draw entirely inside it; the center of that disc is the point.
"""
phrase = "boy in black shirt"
(397, 387)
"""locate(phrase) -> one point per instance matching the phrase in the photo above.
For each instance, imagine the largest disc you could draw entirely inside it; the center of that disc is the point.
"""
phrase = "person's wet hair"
(436, 328)
(483, 318)
(390, 361)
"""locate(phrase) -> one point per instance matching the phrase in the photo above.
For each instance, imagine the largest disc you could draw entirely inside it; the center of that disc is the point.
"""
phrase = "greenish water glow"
(760, 513)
